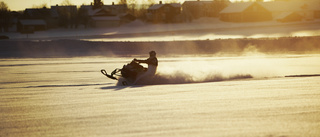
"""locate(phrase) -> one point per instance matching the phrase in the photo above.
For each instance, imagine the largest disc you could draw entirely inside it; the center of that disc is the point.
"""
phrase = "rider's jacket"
(152, 61)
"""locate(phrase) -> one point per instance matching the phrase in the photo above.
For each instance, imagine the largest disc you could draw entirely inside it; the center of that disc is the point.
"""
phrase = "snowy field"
(51, 83)
(205, 96)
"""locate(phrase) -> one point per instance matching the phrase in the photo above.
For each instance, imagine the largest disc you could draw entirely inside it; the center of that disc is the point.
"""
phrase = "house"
(42, 13)
(34, 20)
(167, 13)
(56, 16)
(316, 9)
(106, 21)
(197, 9)
(105, 10)
(105, 16)
(289, 17)
(127, 18)
(245, 12)
(277, 7)
(31, 25)
(309, 10)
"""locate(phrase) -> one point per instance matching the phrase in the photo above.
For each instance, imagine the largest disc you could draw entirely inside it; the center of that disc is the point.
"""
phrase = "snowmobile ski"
(104, 72)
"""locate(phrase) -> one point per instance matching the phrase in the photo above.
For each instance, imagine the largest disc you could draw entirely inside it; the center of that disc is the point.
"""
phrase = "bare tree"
(137, 9)
(151, 2)
(121, 2)
(97, 4)
(3, 6)
(68, 15)
(82, 17)
(4, 17)
(66, 3)
(40, 6)
(172, 1)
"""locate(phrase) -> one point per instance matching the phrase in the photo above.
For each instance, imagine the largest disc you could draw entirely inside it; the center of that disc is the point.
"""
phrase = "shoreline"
(195, 29)
(79, 48)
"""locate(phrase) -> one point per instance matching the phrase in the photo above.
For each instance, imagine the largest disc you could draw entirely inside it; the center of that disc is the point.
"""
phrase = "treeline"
(68, 18)
(5, 17)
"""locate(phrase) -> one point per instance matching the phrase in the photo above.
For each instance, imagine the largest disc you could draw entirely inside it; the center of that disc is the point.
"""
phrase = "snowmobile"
(127, 74)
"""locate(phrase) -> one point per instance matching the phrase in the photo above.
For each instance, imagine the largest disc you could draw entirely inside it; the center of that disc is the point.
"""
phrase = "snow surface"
(70, 97)
(223, 96)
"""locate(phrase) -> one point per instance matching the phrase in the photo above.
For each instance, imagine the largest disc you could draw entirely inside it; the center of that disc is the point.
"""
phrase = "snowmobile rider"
(152, 62)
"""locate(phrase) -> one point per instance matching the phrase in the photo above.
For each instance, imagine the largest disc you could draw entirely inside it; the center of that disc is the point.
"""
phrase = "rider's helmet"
(152, 53)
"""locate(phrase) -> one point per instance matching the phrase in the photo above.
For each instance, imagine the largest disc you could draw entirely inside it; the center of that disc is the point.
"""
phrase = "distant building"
(197, 9)
(57, 16)
(277, 7)
(105, 21)
(289, 17)
(105, 10)
(306, 10)
(127, 18)
(31, 25)
(34, 19)
(245, 12)
(164, 13)
(309, 9)
(42, 13)
(106, 15)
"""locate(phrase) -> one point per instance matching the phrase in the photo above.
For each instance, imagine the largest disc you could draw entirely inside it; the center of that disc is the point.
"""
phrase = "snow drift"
(183, 78)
